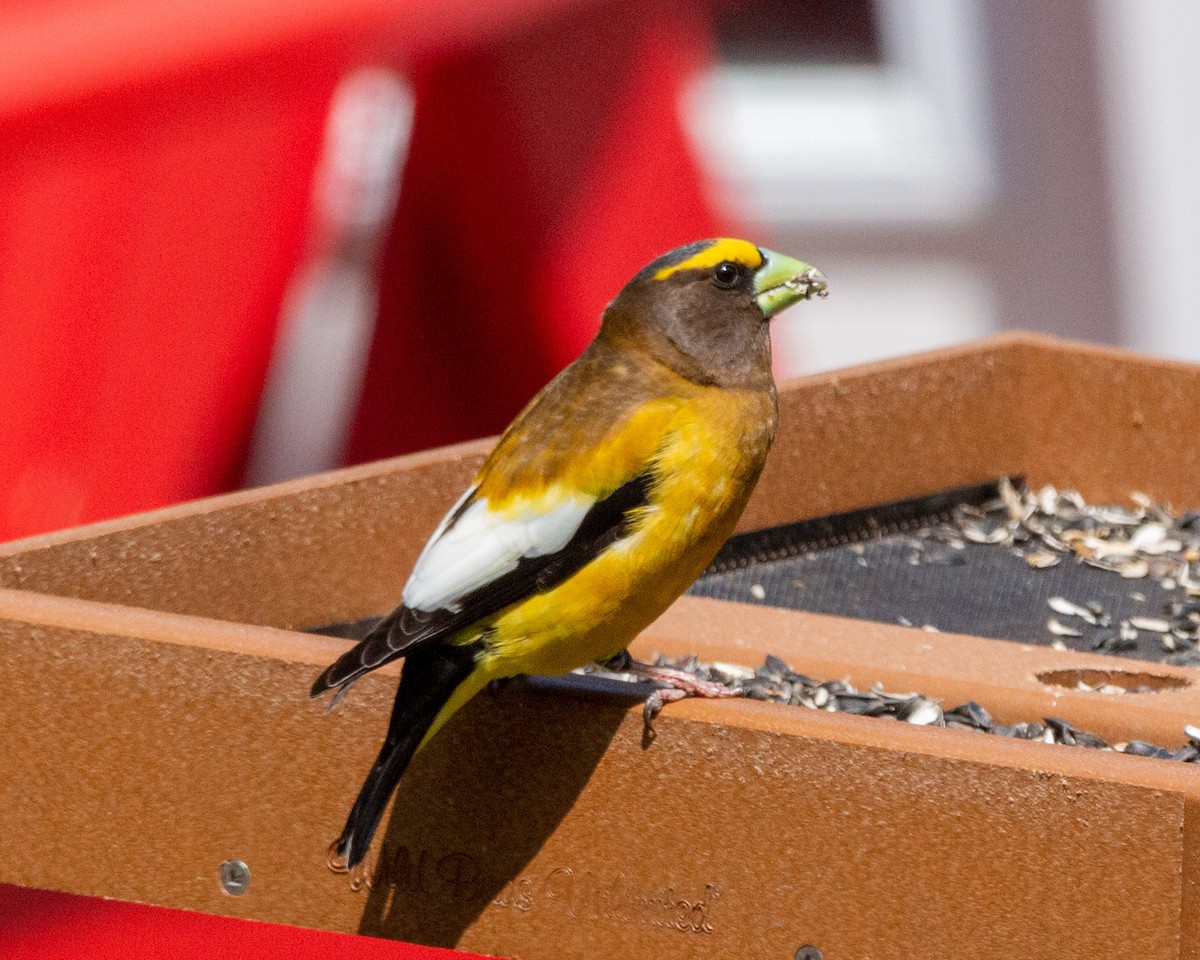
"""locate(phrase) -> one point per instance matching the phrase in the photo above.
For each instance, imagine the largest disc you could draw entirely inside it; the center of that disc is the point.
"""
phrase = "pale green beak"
(782, 281)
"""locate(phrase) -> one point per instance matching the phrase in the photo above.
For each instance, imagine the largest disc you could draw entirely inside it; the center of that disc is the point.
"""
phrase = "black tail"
(430, 676)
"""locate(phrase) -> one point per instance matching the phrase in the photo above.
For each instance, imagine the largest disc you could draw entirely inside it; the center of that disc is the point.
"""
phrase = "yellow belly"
(704, 477)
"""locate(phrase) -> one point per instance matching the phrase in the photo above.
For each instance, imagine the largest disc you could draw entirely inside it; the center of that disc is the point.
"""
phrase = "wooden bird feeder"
(157, 719)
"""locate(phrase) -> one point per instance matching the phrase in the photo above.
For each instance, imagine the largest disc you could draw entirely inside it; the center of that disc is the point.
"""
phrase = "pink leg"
(679, 685)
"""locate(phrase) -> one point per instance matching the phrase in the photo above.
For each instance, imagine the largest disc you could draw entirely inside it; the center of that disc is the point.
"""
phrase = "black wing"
(405, 628)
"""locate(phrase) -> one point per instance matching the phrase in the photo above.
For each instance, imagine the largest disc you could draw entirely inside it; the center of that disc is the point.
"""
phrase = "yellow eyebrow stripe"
(738, 251)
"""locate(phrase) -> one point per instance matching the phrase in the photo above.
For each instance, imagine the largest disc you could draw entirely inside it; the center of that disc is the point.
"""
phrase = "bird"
(605, 498)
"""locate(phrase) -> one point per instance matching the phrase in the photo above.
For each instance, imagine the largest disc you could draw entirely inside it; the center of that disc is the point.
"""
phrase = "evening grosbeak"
(604, 499)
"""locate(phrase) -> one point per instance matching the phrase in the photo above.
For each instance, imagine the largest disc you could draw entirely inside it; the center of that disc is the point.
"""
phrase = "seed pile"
(1044, 526)
(776, 682)
(1047, 527)
(1178, 631)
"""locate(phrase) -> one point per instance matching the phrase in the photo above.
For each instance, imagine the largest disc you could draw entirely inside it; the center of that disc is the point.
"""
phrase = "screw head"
(235, 877)
(809, 953)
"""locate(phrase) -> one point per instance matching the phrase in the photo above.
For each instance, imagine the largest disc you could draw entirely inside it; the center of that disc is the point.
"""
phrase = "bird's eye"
(726, 275)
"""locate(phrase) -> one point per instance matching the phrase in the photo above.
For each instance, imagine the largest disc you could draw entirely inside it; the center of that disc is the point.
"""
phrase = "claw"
(658, 699)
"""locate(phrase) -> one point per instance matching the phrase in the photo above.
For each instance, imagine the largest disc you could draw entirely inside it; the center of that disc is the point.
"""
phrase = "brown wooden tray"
(158, 723)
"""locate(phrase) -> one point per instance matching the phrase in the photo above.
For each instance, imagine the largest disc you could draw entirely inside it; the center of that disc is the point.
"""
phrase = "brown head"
(703, 309)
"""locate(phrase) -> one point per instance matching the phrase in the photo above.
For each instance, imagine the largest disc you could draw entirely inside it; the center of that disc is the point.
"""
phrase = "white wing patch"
(482, 545)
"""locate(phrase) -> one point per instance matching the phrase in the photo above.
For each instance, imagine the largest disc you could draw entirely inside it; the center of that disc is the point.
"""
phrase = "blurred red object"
(543, 172)
(156, 160)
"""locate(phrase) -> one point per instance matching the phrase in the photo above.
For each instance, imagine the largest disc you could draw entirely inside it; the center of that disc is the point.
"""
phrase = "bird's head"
(703, 308)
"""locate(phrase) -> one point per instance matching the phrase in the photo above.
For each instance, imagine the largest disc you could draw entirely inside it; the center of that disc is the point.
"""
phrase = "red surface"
(146, 240)
(36, 925)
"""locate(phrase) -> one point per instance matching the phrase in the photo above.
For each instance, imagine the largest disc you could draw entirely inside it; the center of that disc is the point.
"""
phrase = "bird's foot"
(679, 684)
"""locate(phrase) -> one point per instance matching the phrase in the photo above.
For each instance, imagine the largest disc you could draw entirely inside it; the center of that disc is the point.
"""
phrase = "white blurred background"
(965, 167)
